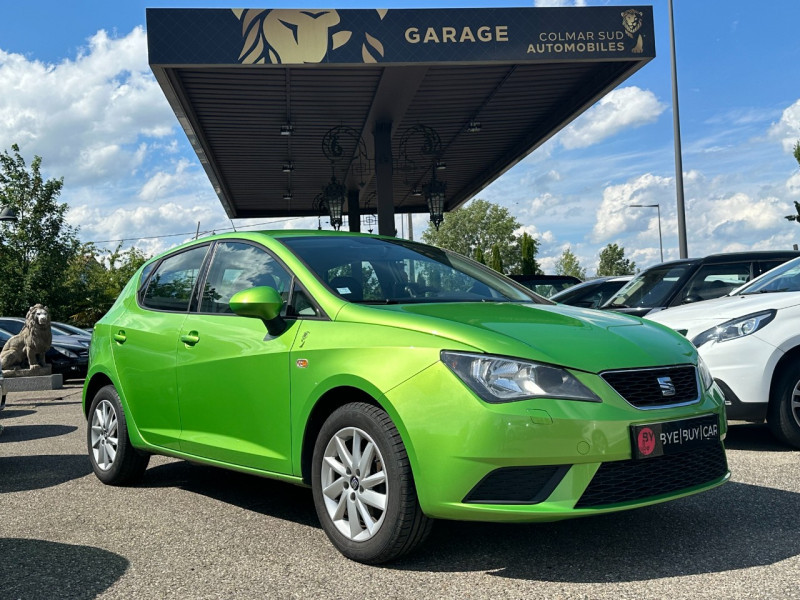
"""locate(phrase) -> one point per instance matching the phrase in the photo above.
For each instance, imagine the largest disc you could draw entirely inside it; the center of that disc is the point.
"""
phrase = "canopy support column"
(383, 177)
(353, 212)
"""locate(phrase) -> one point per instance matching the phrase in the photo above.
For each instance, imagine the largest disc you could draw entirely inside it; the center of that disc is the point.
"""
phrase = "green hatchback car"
(401, 382)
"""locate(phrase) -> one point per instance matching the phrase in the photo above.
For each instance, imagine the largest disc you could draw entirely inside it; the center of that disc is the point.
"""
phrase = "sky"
(76, 89)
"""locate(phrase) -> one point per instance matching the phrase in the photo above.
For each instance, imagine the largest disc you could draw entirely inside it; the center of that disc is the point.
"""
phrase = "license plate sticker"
(670, 437)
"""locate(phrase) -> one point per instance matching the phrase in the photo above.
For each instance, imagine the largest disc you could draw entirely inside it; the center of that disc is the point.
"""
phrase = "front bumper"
(541, 460)
(743, 368)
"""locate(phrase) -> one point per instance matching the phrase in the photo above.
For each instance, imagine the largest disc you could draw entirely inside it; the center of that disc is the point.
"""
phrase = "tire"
(114, 460)
(379, 521)
(783, 414)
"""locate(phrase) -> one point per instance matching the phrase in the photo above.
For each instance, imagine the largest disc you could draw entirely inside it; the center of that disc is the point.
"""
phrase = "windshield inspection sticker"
(670, 437)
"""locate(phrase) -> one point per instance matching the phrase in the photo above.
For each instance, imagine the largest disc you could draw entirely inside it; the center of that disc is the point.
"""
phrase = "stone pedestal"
(36, 378)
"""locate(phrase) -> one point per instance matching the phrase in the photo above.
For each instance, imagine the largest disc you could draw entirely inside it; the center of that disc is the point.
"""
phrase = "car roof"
(725, 257)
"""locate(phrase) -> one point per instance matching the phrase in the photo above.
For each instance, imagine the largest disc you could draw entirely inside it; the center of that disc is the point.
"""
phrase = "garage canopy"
(387, 110)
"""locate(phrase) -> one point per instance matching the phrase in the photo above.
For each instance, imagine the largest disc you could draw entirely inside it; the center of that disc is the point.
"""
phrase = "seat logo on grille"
(667, 387)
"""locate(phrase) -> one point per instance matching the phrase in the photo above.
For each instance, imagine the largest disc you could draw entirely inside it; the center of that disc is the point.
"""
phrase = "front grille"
(628, 480)
(650, 388)
(517, 485)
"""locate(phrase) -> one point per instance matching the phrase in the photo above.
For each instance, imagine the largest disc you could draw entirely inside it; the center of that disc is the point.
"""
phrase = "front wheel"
(114, 460)
(784, 406)
(363, 487)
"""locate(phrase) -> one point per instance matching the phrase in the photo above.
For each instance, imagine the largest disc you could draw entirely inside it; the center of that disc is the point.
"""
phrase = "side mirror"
(263, 303)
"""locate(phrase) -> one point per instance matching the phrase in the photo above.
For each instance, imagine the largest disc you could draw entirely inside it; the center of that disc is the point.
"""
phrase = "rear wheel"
(114, 460)
(363, 487)
(784, 406)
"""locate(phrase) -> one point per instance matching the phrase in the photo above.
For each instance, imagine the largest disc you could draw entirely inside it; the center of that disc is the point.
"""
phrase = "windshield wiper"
(767, 291)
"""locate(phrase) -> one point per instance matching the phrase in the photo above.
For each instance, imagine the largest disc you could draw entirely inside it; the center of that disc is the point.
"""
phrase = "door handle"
(191, 338)
(120, 337)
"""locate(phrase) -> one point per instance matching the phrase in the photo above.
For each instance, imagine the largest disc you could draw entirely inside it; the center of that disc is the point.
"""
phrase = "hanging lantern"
(435, 195)
(334, 195)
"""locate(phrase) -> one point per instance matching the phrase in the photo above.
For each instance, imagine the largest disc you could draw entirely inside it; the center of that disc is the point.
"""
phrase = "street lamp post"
(683, 247)
(658, 208)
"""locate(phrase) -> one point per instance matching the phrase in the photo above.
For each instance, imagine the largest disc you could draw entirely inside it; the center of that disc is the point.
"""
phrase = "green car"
(401, 382)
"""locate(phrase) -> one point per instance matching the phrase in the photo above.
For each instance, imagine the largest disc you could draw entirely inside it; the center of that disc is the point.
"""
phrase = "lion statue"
(30, 344)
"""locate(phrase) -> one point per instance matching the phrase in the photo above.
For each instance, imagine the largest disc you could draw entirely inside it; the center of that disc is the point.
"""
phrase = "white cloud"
(162, 183)
(787, 130)
(86, 117)
(614, 215)
(620, 110)
(544, 237)
(793, 185)
(559, 3)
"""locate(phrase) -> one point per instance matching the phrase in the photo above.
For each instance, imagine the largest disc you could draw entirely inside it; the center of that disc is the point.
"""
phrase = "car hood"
(705, 314)
(70, 342)
(569, 336)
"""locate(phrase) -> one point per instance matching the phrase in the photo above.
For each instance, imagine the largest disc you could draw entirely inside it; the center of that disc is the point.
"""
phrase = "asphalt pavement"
(195, 532)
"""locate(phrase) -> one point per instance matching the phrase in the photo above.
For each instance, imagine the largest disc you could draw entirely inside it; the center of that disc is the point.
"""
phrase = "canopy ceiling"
(377, 97)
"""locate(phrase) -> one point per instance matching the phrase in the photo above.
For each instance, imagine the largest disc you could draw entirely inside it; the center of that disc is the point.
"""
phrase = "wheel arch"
(329, 402)
(791, 356)
(91, 387)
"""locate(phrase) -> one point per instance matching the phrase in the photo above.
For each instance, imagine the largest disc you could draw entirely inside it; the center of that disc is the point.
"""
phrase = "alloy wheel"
(104, 435)
(354, 484)
(794, 404)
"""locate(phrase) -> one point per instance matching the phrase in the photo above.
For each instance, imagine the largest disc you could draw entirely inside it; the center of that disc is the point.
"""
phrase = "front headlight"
(65, 352)
(501, 379)
(735, 328)
(705, 375)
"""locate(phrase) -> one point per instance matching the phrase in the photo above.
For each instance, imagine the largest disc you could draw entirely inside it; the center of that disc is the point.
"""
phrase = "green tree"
(613, 262)
(568, 264)
(36, 250)
(496, 262)
(95, 279)
(479, 224)
(529, 247)
(478, 255)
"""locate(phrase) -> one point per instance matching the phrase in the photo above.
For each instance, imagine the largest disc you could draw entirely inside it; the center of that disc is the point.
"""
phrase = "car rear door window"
(171, 285)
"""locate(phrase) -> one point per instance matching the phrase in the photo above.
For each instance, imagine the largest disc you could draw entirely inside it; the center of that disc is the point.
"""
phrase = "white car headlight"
(735, 328)
(502, 379)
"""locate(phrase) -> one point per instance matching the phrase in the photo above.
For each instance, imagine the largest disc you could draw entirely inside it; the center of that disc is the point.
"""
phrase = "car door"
(145, 342)
(233, 377)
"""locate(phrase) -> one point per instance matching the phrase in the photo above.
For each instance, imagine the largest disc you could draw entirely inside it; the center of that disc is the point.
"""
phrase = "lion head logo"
(632, 23)
(284, 36)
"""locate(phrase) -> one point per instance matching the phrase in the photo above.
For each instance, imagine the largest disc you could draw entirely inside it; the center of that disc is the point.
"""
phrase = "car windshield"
(785, 278)
(649, 289)
(372, 270)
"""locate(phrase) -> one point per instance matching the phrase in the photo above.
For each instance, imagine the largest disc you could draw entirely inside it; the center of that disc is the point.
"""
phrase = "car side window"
(302, 306)
(713, 281)
(238, 266)
(171, 285)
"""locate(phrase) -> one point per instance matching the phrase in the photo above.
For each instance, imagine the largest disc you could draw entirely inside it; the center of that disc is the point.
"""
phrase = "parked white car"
(750, 341)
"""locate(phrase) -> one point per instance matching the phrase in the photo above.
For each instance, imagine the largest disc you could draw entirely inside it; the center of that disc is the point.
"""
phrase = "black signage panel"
(399, 36)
